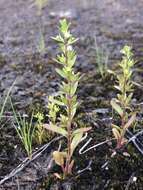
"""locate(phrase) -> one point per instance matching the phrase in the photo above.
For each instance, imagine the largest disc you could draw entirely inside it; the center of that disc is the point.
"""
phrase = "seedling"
(40, 4)
(101, 60)
(67, 101)
(41, 44)
(5, 100)
(53, 109)
(122, 103)
(40, 136)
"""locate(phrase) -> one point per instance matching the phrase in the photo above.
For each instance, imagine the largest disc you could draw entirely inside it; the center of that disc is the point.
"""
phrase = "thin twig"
(136, 135)
(137, 146)
(11, 116)
(82, 151)
(88, 167)
(136, 141)
(27, 161)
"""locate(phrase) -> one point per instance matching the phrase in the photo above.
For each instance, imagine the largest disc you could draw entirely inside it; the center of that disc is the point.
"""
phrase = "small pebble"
(134, 179)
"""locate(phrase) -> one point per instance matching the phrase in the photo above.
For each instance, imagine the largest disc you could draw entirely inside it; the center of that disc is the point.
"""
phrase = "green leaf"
(73, 112)
(61, 73)
(126, 51)
(56, 129)
(117, 107)
(59, 157)
(83, 130)
(64, 26)
(75, 141)
(72, 58)
(116, 127)
(63, 100)
(61, 58)
(74, 88)
(128, 99)
(72, 40)
(111, 72)
(117, 87)
(130, 121)
(58, 102)
(58, 39)
(65, 88)
(53, 104)
(116, 133)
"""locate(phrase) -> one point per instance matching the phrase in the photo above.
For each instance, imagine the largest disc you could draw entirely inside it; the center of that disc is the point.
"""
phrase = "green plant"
(6, 99)
(101, 60)
(122, 104)
(40, 4)
(53, 109)
(41, 44)
(25, 131)
(39, 135)
(67, 100)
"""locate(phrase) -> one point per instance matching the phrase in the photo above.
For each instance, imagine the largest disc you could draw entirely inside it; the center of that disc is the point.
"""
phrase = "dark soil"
(114, 23)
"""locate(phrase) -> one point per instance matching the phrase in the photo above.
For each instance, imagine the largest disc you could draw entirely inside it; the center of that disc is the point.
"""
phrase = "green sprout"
(67, 101)
(40, 4)
(101, 60)
(2, 109)
(40, 135)
(122, 103)
(25, 131)
(53, 109)
(41, 44)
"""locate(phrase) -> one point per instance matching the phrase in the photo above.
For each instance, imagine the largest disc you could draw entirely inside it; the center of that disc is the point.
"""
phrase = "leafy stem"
(122, 104)
(67, 100)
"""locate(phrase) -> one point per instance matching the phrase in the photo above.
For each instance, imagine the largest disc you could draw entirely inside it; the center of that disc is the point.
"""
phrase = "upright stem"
(69, 136)
(123, 104)
(69, 123)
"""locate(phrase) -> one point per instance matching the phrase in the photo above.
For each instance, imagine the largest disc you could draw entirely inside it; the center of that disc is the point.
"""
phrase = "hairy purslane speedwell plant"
(122, 103)
(67, 101)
